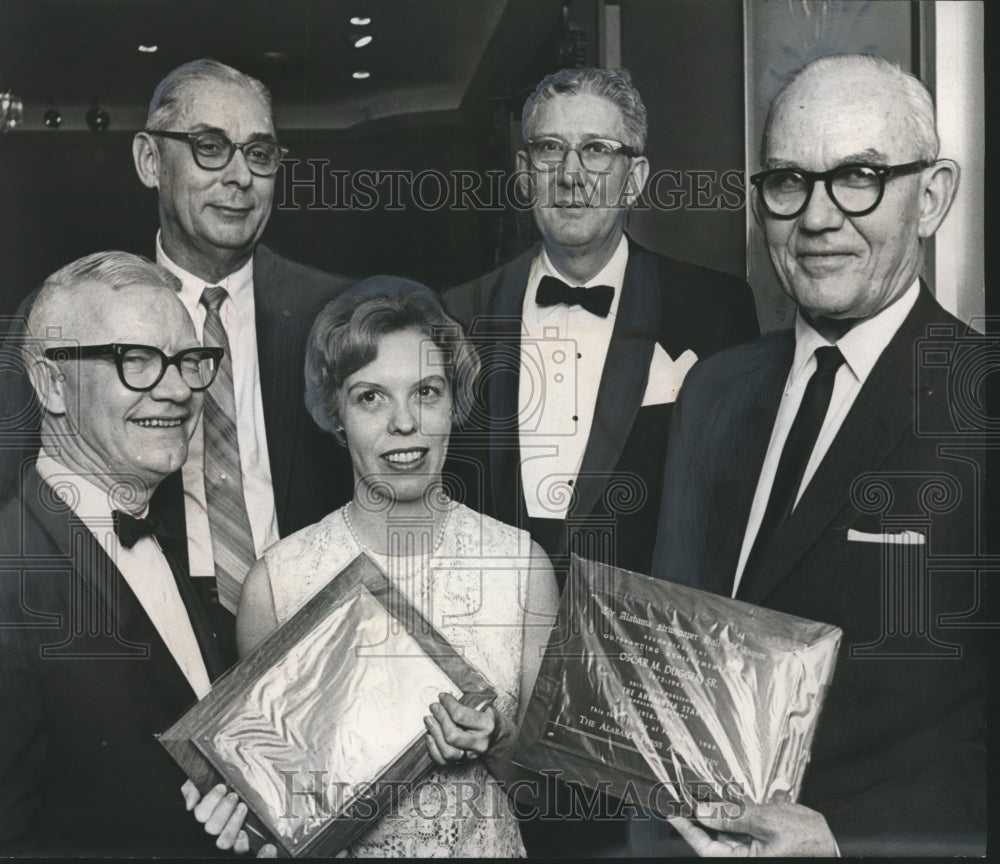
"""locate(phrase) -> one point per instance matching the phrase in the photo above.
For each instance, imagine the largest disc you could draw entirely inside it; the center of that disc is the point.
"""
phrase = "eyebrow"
(256, 136)
(870, 155)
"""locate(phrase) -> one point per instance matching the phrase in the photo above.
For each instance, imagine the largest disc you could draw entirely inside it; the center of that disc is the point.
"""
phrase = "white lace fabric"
(471, 589)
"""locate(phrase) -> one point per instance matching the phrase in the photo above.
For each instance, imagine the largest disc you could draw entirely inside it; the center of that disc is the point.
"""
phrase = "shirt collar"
(612, 273)
(84, 497)
(239, 284)
(862, 345)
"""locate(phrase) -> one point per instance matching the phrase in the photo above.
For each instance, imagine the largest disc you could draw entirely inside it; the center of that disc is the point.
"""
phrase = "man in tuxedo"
(585, 340)
(258, 467)
(586, 337)
(827, 472)
(104, 642)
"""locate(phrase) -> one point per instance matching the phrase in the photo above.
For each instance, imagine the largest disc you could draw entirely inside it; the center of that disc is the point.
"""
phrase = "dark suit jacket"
(676, 304)
(85, 684)
(311, 474)
(898, 763)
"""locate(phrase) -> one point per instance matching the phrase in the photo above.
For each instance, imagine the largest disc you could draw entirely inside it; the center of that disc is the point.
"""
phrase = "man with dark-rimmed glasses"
(258, 468)
(807, 472)
(103, 639)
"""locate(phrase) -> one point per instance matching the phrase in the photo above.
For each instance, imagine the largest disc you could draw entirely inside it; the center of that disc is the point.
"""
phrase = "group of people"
(224, 431)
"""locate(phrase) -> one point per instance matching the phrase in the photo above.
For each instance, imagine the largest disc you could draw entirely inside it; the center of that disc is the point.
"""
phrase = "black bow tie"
(131, 530)
(596, 300)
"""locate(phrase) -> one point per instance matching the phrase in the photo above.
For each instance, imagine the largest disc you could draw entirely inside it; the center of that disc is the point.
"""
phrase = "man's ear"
(147, 160)
(938, 186)
(49, 384)
(638, 174)
(525, 176)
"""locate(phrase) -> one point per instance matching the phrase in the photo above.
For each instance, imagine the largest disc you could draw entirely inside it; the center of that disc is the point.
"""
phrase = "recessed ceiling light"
(358, 21)
(361, 74)
(148, 49)
(361, 41)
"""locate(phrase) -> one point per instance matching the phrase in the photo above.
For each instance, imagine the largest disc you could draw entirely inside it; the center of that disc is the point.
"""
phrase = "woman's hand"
(457, 732)
(222, 813)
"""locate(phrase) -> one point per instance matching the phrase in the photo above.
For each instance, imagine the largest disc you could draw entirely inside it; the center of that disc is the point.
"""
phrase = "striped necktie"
(232, 540)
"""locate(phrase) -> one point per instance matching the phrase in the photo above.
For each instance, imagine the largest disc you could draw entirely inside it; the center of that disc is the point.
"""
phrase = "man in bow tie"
(832, 472)
(585, 340)
(586, 337)
(103, 640)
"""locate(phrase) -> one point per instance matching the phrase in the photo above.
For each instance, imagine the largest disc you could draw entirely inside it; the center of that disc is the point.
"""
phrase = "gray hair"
(115, 270)
(168, 97)
(615, 85)
(920, 116)
(346, 334)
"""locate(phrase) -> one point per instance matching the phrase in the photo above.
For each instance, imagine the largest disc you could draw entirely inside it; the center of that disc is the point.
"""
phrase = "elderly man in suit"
(258, 467)
(586, 337)
(103, 641)
(821, 471)
(585, 340)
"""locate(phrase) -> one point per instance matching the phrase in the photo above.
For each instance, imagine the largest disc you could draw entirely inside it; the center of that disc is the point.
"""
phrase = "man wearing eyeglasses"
(258, 467)
(103, 641)
(586, 337)
(819, 471)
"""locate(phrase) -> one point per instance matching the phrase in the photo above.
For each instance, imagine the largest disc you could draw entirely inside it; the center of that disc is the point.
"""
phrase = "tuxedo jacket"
(86, 683)
(310, 473)
(898, 761)
(677, 305)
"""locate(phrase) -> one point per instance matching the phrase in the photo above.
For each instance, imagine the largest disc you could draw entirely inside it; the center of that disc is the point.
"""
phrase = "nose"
(171, 387)
(237, 171)
(402, 421)
(571, 172)
(821, 213)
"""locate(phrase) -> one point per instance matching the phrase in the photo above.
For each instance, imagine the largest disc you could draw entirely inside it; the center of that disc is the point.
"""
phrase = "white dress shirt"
(237, 314)
(144, 568)
(562, 357)
(861, 346)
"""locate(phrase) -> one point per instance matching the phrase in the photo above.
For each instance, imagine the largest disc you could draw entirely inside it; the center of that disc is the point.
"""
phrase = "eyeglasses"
(596, 155)
(856, 189)
(213, 151)
(142, 367)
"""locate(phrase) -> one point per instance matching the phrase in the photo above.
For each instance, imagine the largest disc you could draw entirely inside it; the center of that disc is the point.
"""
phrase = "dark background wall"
(68, 192)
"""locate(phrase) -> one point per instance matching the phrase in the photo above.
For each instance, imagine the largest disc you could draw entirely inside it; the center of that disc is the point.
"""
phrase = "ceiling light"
(148, 49)
(361, 41)
(361, 74)
(358, 21)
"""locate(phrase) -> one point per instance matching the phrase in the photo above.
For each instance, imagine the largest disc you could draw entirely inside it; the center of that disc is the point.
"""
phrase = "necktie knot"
(828, 359)
(213, 297)
(596, 300)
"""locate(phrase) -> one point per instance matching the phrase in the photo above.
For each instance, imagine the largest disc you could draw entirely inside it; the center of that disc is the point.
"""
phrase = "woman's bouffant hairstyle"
(346, 335)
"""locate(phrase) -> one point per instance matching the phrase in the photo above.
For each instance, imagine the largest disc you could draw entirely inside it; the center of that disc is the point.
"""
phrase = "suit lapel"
(623, 381)
(503, 327)
(748, 408)
(278, 395)
(101, 587)
(881, 413)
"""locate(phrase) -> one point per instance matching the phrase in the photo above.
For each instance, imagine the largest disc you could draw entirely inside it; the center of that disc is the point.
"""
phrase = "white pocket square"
(906, 538)
(666, 376)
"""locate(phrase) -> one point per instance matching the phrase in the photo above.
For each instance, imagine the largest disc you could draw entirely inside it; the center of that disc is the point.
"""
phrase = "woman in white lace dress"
(388, 373)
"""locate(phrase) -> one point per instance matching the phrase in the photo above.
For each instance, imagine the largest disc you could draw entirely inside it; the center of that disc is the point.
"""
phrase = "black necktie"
(795, 456)
(596, 300)
(173, 544)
